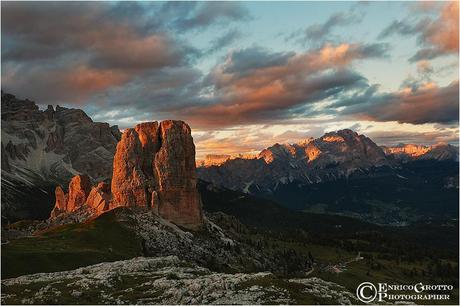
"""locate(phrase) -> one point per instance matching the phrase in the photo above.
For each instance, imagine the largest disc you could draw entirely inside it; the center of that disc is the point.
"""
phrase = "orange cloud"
(443, 33)
(248, 89)
(83, 78)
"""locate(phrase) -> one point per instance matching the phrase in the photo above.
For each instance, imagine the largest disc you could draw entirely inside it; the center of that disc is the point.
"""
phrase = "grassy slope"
(70, 246)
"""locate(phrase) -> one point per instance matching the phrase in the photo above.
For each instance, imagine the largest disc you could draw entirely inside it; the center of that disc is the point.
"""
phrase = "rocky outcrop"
(129, 183)
(79, 189)
(213, 160)
(99, 198)
(61, 202)
(45, 148)
(174, 166)
(154, 167)
(219, 159)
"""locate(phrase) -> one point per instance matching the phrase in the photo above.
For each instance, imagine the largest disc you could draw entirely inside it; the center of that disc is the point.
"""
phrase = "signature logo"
(366, 292)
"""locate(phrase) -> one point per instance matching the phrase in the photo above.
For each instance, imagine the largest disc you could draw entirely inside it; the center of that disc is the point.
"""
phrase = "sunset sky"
(244, 75)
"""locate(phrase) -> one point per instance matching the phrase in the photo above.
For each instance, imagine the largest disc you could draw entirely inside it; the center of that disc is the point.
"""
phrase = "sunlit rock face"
(131, 179)
(61, 202)
(219, 159)
(99, 198)
(213, 160)
(440, 151)
(154, 167)
(334, 155)
(411, 150)
(79, 189)
(347, 149)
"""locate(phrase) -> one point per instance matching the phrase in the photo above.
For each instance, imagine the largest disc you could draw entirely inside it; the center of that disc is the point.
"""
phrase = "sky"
(243, 75)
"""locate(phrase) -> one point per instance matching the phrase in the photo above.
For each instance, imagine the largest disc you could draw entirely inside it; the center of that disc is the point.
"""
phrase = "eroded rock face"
(55, 143)
(154, 167)
(129, 184)
(79, 189)
(99, 198)
(175, 166)
(61, 202)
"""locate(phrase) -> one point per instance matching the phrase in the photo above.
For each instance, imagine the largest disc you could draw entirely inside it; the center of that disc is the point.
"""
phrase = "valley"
(247, 235)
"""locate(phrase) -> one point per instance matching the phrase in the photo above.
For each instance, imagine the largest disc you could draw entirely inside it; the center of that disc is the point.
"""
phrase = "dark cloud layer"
(86, 49)
(256, 85)
(130, 61)
(423, 104)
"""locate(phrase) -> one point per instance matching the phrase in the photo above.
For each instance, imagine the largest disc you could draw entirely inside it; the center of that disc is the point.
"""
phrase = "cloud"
(83, 49)
(208, 13)
(436, 37)
(255, 85)
(397, 136)
(61, 83)
(419, 104)
(125, 62)
(246, 60)
(320, 33)
(223, 41)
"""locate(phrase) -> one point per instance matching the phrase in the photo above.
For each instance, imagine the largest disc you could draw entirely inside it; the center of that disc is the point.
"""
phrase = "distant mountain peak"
(333, 155)
(439, 151)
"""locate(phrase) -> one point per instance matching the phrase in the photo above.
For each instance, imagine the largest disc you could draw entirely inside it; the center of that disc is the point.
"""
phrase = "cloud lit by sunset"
(239, 77)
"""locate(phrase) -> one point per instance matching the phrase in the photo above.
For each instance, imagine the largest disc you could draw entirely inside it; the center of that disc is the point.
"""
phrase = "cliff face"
(174, 166)
(153, 168)
(55, 143)
(43, 148)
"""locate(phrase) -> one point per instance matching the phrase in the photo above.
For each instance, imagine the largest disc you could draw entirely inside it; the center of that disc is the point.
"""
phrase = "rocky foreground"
(166, 280)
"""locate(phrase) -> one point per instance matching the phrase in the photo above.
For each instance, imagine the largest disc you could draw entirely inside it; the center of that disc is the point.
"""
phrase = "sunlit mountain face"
(244, 75)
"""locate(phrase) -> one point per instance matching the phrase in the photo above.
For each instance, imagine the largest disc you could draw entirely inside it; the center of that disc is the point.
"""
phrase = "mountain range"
(330, 157)
(45, 148)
